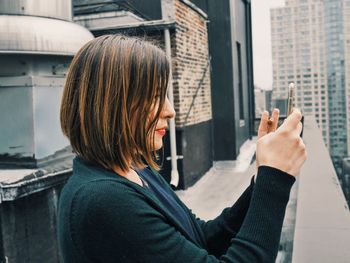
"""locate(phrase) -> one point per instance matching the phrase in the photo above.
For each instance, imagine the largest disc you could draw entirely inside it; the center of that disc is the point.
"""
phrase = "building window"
(240, 82)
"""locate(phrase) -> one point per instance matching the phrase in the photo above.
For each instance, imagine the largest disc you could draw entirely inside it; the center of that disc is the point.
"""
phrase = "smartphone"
(291, 103)
(291, 98)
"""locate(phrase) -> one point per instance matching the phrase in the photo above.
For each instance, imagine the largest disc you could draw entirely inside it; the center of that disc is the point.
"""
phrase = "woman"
(117, 208)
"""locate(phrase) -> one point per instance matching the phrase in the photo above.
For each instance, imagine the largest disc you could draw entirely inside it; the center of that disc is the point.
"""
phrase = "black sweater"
(103, 217)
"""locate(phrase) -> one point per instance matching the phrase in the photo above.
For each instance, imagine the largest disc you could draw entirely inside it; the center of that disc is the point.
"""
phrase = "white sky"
(262, 41)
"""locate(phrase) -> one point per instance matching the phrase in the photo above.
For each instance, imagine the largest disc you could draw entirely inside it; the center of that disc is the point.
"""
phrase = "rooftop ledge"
(322, 227)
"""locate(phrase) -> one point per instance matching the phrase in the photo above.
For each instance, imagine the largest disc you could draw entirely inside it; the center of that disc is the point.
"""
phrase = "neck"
(130, 174)
(119, 171)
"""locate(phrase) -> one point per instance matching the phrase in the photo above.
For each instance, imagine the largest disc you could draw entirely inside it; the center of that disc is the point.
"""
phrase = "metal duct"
(37, 42)
(60, 9)
(38, 35)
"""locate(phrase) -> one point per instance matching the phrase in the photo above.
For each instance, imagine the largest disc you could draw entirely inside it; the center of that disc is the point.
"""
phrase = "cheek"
(151, 119)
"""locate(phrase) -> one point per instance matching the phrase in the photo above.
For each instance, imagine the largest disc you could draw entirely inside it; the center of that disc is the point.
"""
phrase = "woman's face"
(167, 112)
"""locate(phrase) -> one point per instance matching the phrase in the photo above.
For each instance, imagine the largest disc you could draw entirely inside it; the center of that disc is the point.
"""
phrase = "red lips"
(161, 132)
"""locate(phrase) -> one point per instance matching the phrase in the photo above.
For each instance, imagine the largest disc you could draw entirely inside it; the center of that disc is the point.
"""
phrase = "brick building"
(211, 69)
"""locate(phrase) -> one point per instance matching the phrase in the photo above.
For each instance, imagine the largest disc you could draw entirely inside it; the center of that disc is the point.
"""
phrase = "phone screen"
(291, 103)
(291, 98)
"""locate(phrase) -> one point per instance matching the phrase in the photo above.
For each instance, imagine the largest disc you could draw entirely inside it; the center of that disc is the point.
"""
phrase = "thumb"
(293, 120)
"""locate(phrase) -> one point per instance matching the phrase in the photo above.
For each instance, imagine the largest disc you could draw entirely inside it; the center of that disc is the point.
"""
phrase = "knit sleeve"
(219, 231)
(262, 225)
(121, 226)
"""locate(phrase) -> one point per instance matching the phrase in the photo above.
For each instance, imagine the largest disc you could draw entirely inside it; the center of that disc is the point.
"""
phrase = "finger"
(263, 129)
(293, 120)
(296, 131)
(299, 128)
(274, 120)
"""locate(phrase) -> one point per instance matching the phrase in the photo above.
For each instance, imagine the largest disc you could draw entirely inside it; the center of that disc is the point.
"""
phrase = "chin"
(158, 144)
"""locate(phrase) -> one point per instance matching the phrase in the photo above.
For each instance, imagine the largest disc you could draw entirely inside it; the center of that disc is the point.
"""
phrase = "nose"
(168, 111)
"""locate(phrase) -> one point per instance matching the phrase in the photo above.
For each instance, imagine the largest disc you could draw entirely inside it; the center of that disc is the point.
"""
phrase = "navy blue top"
(165, 197)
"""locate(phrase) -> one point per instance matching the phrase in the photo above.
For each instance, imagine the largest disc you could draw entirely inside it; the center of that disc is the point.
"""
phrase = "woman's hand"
(283, 149)
(267, 125)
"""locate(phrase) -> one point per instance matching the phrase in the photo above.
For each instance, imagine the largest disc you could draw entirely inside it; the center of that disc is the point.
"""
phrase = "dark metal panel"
(251, 98)
(238, 13)
(151, 9)
(220, 48)
(29, 228)
(194, 143)
(197, 151)
(165, 154)
(202, 4)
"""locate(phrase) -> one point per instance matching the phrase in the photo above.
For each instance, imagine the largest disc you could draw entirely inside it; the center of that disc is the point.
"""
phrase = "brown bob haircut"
(114, 93)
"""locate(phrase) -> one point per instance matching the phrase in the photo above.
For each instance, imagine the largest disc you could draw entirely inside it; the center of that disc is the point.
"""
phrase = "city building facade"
(309, 40)
(299, 55)
(334, 22)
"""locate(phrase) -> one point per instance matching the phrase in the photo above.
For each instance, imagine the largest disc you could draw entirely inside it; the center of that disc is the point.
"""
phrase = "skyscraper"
(346, 36)
(334, 35)
(308, 48)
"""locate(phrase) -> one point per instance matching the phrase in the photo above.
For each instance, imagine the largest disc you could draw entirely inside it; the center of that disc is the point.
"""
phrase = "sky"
(262, 41)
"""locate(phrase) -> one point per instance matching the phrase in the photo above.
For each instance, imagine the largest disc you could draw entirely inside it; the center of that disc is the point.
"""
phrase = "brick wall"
(190, 53)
